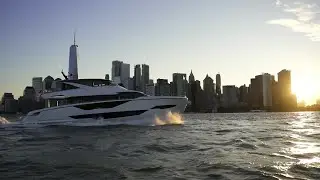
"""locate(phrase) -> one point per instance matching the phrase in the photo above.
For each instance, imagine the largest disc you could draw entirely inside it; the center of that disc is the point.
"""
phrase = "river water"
(205, 146)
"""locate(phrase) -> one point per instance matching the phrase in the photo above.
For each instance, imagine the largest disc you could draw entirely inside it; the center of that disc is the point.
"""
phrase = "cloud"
(304, 21)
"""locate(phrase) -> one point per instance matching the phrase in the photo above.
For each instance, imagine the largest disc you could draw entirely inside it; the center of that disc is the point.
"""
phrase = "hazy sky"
(238, 38)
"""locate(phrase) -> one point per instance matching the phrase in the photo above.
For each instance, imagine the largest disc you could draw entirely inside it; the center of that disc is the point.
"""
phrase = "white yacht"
(99, 101)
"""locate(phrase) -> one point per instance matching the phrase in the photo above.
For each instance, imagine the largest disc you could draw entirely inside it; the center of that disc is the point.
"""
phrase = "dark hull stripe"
(101, 105)
(109, 115)
(163, 107)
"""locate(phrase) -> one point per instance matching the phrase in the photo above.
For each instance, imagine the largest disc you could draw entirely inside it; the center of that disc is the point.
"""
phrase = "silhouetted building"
(73, 61)
(144, 77)
(8, 103)
(137, 78)
(11, 106)
(131, 84)
(179, 84)
(29, 93)
(243, 94)
(162, 88)
(116, 69)
(230, 96)
(191, 78)
(37, 85)
(54, 83)
(218, 84)
(197, 96)
(284, 79)
(150, 90)
(287, 101)
(47, 83)
(209, 94)
(125, 74)
(6, 96)
(267, 81)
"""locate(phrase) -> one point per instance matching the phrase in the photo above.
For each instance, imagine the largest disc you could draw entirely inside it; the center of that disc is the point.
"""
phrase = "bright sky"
(239, 39)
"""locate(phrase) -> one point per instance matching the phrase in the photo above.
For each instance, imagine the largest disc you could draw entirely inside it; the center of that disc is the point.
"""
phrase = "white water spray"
(170, 118)
(4, 120)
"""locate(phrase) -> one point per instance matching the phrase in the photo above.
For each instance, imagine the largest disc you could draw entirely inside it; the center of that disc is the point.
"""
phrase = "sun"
(306, 89)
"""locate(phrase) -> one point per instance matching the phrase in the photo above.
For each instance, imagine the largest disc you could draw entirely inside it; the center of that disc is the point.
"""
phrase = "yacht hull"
(107, 112)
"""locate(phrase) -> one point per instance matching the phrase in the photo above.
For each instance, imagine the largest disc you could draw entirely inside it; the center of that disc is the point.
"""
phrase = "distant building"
(125, 74)
(145, 77)
(162, 88)
(150, 81)
(208, 85)
(267, 81)
(179, 84)
(256, 93)
(189, 86)
(229, 96)
(209, 94)
(150, 89)
(131, 84)
(73, 61)
(29, 93)
(191, 77)
(198, 98)
(284, 80)
(47, 83)
(54, 83)
(6, 96)
(8, 103)
(243, 94)
(137, 78)
(116, 69)
(37, 85)
(11, 106)
(218, 84)
(286, 100)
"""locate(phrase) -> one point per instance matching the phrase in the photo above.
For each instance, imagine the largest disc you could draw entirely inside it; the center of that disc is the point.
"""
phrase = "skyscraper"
(208, 85)
(191, 78)
(125, 74)
(179, 84)
(144, 77)
(37, 84)
(230, 97)
(47, 83)
(218, 84)
(267, 81)
(73, 60)
(137, 77)
(116, 69)
(284, 79)
(162, 88)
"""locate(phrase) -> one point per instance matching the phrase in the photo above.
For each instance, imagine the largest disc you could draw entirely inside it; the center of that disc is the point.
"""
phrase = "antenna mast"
(74, 38)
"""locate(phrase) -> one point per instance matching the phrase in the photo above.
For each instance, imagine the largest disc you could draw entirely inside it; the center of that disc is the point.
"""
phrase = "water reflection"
(304, 145)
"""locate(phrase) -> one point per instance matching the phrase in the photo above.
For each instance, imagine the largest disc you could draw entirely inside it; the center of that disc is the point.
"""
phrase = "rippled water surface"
(206, 146)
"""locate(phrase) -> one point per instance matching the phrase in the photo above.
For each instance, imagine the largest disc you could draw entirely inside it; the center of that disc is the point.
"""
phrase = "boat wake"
(171, 118)
(4, 121)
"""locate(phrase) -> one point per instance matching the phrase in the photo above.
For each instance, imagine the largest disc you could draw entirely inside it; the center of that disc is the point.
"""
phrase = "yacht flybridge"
(99, 101)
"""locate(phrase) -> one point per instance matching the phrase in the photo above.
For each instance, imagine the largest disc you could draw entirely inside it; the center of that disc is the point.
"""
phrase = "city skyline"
(169, 41)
